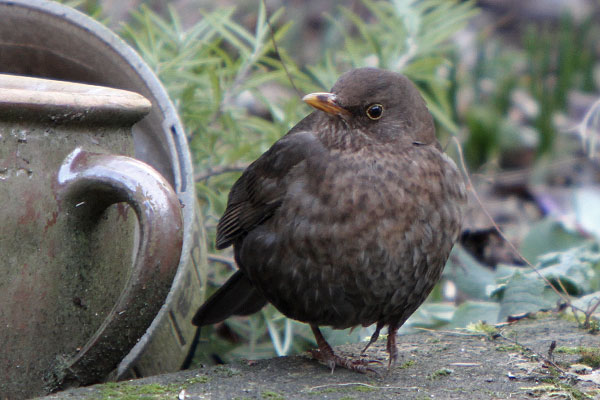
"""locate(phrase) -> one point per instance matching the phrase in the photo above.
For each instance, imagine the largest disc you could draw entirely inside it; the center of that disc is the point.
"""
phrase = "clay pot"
(46, 39)
(80, 284)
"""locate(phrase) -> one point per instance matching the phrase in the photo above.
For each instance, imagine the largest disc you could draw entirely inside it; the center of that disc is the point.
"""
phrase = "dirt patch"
(485, 363)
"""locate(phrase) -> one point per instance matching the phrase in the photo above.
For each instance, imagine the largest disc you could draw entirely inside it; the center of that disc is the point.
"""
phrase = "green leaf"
(524, 294)
(474, 311)
(470, 277)
(548, 235)
(577, 269)
(424, 69)
(429, 315)
(442, 117)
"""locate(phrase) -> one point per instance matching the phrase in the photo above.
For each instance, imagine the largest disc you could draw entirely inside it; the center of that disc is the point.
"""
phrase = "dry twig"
(529, 350)
(218, 170)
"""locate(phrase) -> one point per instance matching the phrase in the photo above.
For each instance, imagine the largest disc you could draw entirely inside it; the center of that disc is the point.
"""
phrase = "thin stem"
(565, 297)
(276, 49)
(219, 170)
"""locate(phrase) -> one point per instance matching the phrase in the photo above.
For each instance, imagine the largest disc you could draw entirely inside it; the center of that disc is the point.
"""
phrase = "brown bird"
(346, 220)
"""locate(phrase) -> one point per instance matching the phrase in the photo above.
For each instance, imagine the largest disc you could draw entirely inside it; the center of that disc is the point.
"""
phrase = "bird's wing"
(260, 190)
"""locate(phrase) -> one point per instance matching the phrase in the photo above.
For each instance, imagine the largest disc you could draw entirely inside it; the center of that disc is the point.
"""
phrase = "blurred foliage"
(565, 251)
(511, 290)
(408, 36)
(235, 100)
(547, 63)
(89, 7)
(560, 60)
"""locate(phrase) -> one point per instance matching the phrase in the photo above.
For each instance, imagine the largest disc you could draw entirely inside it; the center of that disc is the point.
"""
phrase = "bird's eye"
(375, 111)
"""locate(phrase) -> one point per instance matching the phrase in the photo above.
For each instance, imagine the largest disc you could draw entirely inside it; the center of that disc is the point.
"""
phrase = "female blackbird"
(346, 220)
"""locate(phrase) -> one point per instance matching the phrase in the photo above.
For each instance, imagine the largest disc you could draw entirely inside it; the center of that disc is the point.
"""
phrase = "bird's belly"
(358, 250)
(347, 270)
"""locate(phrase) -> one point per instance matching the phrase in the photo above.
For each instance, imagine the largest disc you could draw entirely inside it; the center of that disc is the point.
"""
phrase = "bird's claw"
(361, 366)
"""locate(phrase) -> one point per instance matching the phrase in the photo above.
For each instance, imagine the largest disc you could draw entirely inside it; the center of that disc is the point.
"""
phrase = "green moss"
(268, 395)
(539, 389)
(590, 356)
(408, 364)
(198, 379)
(225, 371)
(482, 328)
(595, 393)
(128, 391)
(112, 385)
(594, 326)
(554, 387)
(363, 389)
(510, 347)
(133, 391)
(441, 373)
(568, 316)
(567, 350)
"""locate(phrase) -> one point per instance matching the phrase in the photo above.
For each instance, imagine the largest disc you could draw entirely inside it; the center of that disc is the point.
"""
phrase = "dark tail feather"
(236, 297)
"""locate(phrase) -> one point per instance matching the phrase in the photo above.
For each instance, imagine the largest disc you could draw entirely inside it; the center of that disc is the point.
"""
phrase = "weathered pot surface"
(90, 238)
(48, 39)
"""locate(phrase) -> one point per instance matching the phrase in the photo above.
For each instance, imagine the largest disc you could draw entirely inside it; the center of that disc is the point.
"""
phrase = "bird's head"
(384, 105)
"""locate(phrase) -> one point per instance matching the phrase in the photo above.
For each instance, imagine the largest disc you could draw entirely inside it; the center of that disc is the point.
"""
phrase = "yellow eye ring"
(375, 111)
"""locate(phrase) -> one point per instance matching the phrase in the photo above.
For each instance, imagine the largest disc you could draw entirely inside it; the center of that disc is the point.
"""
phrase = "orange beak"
(325, 102)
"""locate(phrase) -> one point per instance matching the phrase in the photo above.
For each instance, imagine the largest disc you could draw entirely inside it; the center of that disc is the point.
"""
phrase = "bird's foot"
(326, 355)
(332, 360)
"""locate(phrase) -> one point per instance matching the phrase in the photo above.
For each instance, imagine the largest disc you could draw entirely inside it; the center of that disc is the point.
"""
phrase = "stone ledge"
(441, 365)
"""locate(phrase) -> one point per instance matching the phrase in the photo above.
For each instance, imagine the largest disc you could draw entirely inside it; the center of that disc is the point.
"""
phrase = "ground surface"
(511, 362)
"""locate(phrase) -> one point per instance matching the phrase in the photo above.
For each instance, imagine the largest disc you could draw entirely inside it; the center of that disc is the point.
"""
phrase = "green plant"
(548, 62)
(89, 7)
(408, 36)
(559, 60)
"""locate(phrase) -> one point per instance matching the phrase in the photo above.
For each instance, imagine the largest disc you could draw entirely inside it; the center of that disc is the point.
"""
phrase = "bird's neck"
(336, 134)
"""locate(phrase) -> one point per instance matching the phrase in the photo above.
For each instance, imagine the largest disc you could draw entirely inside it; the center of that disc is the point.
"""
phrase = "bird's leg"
(374, 336)
(392, 350)
(325, 354)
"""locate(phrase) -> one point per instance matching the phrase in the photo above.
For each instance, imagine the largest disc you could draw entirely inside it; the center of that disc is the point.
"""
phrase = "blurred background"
(516, 82)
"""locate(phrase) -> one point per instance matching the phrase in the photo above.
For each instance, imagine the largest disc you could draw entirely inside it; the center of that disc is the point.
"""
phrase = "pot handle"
(107, 179)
